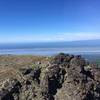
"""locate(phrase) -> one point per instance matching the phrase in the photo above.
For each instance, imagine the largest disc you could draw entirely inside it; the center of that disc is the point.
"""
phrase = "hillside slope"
(60, 77)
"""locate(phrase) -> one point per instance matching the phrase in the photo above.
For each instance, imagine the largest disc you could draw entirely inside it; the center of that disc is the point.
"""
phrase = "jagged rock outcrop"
(11, 90)
(80, 83)
(64, 77)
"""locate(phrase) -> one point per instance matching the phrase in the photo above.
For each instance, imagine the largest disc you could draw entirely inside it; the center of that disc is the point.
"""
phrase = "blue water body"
(52, 51)
(49, 49)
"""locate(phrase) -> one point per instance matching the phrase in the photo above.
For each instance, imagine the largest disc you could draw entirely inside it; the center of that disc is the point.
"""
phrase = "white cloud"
(52, 37)
(78, 36)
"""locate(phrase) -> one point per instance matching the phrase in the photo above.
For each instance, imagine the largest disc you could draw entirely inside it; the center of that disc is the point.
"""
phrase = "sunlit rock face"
(61, 77)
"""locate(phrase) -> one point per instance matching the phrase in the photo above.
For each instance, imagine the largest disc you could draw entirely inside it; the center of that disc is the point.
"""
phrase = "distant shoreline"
(89, 57)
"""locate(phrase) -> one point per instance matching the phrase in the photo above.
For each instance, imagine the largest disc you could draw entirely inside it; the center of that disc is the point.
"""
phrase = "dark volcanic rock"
(80, 83)
(66, 77)
(26, 71)
(61, 58)
(12, 91)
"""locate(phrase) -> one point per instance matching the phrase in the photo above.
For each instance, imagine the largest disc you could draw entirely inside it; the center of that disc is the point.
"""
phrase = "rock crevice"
(64, 77)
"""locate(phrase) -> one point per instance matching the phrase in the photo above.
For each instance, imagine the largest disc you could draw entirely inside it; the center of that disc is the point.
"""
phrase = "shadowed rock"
(65, 77)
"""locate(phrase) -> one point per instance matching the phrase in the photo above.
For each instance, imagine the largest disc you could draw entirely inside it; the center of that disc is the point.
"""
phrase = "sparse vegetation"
(48, 78)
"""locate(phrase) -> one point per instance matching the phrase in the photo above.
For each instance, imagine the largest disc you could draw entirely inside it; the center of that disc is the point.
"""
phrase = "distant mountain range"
(86, 43)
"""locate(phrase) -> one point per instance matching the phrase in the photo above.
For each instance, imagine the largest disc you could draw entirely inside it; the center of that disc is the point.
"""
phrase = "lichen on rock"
(62, 77)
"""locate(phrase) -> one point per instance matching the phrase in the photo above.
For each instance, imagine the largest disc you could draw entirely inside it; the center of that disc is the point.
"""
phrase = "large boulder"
(80, 83)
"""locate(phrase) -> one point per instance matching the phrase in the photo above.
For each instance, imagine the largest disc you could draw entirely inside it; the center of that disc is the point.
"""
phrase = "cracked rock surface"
(60, 77)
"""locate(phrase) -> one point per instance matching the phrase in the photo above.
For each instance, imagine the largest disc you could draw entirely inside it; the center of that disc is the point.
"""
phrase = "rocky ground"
(60, 77)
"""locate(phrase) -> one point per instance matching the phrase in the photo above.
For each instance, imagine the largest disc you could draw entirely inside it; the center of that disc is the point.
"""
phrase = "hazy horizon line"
(49, 41)
(57, 37)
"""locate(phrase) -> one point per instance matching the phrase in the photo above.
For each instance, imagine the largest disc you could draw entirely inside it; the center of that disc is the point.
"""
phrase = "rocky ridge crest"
(64, 77)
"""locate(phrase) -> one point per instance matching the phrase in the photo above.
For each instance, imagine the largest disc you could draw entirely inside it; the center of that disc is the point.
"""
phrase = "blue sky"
(49, 20)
